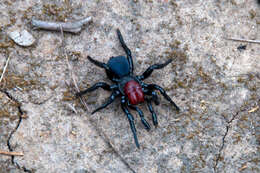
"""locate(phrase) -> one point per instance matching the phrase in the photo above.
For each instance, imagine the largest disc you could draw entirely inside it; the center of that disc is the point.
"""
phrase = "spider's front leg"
(127, 51)
(98, 63)
(150, 69)
(130, 119)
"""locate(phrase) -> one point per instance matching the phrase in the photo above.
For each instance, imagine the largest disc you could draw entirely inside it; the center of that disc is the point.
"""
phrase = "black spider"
(129, 87)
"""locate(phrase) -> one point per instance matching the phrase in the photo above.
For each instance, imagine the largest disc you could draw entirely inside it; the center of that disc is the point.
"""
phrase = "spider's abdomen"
(134, 92)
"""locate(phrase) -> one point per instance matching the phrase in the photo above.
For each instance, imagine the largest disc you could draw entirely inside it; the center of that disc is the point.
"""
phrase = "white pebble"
(22, 38)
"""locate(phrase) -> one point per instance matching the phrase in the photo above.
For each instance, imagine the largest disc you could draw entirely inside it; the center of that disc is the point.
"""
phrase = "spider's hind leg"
(155, 98)
(152, 96)
(130, 119)
(141, 114)
(98, 63)
(154, 116)
(163, 92)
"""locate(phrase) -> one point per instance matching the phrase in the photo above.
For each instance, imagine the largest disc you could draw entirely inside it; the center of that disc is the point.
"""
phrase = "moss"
(74, 55)
(175, 44)
(241, 80)
(5, 41)
(54, 87)
(149, 1)
(190, 136)
(255, 160)
(233, 2)
(4, 113)
(181, 84)
(237, 138)
(27, 14)
(201, 158)
(254, 96)
(177, 54)
(12, 16)
(173, 3)
(60, 12)
(12, 80)
(6, 44)
(8, 108)
(178, 19)
(68, 96)
(203, 75)
(252, 14)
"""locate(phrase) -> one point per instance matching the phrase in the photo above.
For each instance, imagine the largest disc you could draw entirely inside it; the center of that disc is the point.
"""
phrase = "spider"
(129, 87)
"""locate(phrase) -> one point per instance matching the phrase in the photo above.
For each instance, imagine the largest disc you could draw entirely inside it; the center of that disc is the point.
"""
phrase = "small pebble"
(22, 38)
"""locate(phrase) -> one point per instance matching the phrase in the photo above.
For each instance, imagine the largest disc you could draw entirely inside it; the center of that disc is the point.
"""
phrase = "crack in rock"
(224, 137)
(221, 148)
(21, 113)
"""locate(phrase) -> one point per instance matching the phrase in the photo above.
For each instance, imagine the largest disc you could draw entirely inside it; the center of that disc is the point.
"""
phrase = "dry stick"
(243, 40)
(73, 27)
(5, 67)
(11, 153)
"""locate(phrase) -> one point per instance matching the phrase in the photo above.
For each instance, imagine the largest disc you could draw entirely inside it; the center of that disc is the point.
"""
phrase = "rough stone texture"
(216, 86)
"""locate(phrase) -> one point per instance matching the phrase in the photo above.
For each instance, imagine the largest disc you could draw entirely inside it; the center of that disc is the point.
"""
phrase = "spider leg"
(141, 114)
(150, 69)
(162, 91)
(127, 50)
(103, 85)
(130, 119)
(155, 98)
(150, 93)
(154, 116)
(98, 63)
(108, 102)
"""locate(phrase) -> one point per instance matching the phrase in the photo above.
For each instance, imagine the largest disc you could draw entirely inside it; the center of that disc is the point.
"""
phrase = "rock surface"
(216, 85)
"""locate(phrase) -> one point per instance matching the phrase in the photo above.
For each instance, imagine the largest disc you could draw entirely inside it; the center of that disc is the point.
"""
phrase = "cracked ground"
(215, 82)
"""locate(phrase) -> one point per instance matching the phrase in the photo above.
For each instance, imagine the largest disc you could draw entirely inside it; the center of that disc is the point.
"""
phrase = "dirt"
(214, 81)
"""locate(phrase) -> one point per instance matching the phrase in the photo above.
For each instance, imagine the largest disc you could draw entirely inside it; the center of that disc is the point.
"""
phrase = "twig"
(73, 27)
(72, 108)
(11, 153)
(253, 109)
(71, 70)
(5, 67)
(243, 40)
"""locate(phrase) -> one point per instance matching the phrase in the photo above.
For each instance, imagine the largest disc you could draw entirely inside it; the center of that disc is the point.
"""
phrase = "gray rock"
(216, 86)
(22, 37)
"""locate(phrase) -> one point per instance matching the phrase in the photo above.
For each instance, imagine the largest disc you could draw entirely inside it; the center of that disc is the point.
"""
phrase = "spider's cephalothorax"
(129, 87)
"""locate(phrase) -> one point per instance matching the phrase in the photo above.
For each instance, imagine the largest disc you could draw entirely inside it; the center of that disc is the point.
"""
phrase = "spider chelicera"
(129, 87)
